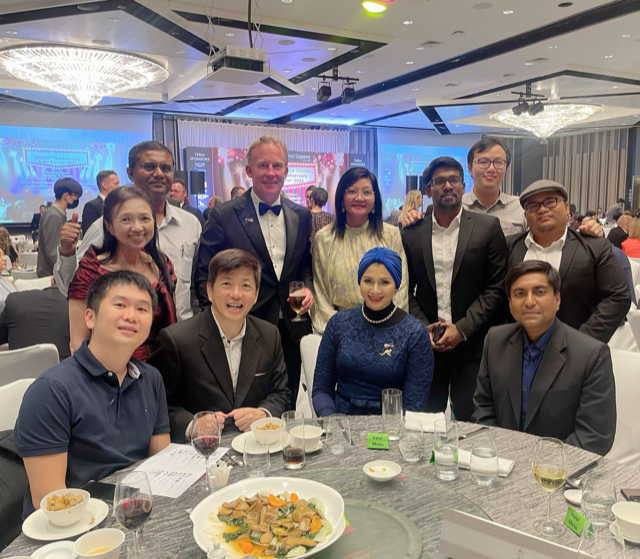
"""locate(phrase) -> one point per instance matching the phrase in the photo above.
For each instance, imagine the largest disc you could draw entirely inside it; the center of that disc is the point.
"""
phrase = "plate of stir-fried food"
(270, 517)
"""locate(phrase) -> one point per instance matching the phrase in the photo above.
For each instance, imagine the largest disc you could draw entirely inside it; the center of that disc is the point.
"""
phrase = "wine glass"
(598, 496)
(296, 296)
(133, 502)
(550, 471)
(205, 436)
(601, 541)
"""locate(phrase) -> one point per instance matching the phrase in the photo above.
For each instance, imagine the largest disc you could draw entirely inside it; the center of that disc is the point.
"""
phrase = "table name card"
(378, 441)
(574, 520)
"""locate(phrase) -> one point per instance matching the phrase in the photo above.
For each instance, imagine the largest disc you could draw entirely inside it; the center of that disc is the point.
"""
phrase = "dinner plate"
(38, 527)
(238, 443)
(205, 531)
(55, 550)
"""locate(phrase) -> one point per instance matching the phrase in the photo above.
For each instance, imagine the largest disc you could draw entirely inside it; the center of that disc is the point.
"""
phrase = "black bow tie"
(264, 208)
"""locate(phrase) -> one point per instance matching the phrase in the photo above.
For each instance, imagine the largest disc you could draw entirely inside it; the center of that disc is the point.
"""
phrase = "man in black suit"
(457, 263)
(180, 193)
(36, 317)
(595, 295)
(93, 209)
(620, 234)
(221, 359)
(276, 231)
(541, 376)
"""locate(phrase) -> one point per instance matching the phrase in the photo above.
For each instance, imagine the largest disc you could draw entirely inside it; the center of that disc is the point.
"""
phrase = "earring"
(343, 210)
(373, 211)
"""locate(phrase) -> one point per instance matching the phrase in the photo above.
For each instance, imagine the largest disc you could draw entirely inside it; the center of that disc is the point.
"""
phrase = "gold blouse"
(335, 269)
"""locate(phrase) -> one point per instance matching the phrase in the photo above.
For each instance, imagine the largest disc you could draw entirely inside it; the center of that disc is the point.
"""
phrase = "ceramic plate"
(316, 449)
(238, 443)
(381, 470)
(56, 550)
(38, 527)
(574, 496)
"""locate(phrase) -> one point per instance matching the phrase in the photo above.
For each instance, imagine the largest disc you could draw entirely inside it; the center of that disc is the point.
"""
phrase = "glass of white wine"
(550, 471)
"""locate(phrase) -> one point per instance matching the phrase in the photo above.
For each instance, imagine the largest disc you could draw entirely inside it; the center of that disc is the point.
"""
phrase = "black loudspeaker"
(197, 182)
(181, 175)
(412, 182)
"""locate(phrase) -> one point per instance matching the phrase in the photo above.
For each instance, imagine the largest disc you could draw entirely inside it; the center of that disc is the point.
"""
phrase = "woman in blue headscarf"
(373, 346)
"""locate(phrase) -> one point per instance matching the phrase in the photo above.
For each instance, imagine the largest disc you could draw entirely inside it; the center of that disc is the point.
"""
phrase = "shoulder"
(499, 334)
(148, 372)
(346, 316)
(183, 332)
(485, 220)
(324, 234)
(582, 343)
(59, 379)
(414, 325)
(265, 329)
(390, 231)
(512, 240)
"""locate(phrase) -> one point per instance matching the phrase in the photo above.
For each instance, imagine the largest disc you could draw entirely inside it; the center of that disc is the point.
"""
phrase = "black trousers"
(292, 360)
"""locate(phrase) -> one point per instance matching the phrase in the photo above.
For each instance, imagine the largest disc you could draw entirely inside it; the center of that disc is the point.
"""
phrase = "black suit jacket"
(234, 224)
(477, 284)
(192, 360)
(594, 295)
(617, 236)
(36, 317)
(193, 211)
(573, 394)
(93, 211)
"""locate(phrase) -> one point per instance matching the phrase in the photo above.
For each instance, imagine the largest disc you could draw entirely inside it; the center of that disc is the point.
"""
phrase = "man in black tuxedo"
(276, 231)
(620, 234)
(93, 209)
(595, 295)
(180, 193)
(541, 376)
(221, 359)
(457, 263)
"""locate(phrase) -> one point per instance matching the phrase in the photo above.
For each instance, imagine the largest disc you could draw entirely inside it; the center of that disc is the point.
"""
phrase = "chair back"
(33, 284)
(635, 270)
(309, 346)
(27, 363)
(623, 337)
(633, 321)
(23, 274)
(10, 400)
(626, 446)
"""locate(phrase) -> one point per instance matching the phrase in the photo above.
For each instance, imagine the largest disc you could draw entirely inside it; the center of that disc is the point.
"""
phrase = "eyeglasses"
(533, 207)
(498, 164)
(440, 181)
(151, 168)
(366, 193)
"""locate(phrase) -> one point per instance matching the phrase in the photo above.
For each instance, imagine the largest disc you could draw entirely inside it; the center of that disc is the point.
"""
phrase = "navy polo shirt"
(79, 407)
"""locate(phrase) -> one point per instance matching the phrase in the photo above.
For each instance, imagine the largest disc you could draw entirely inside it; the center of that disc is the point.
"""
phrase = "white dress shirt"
(178, 237)
(444, 244)
(274, 232)
(551, 254)
(233, 349)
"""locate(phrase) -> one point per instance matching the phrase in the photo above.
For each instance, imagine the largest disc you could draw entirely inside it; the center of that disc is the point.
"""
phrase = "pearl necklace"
(378, 321)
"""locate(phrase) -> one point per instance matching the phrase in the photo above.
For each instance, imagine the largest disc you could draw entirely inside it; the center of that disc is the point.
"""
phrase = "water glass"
(392, 412)
(445, 452)
(257, 460)
(411, 440)
(484, 461)
(601, 541)
(598, 496)
(338, 433)
(293, 440)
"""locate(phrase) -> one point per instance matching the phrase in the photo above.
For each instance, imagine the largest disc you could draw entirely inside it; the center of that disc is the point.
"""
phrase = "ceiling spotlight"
(230, 34)
(408, 22)
(324, 93)
(536, 108)
(507, 12)
(374, 7)
(521, 108)
(348, 95)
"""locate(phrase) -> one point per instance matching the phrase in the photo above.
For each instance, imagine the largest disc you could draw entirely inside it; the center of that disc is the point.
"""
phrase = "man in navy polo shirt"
(99, 410)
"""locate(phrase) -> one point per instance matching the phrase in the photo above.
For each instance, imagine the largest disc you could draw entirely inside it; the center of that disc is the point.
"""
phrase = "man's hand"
(591, 228)
(450, 339)
(69, 236)
(411, 218)
(307, 302)
(244, 417)
(206, 421)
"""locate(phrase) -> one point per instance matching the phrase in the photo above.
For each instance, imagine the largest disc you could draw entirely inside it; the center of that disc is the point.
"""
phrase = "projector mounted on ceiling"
(239, 65)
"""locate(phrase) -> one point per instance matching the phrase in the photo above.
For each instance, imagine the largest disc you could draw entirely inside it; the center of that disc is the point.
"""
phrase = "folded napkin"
(426, 419)
(504, 465)
(218, 475)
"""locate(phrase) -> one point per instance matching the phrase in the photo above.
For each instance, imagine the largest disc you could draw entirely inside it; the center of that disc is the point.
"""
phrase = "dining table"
(397, 519)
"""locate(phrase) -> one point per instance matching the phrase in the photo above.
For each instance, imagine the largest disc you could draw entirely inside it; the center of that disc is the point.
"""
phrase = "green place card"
(379, 441)
(574, 520)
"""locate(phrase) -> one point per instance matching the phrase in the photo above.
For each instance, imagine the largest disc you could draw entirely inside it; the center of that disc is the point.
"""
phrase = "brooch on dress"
(388, 348)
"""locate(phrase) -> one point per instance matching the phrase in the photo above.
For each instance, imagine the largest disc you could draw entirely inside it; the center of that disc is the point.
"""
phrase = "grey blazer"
(572, 396)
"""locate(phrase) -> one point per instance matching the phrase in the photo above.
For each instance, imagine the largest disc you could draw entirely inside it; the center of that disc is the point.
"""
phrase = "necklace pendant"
(388, 348)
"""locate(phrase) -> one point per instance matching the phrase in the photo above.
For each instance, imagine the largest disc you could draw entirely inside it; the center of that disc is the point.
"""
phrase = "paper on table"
(426, 419)
(504, 465)
(175, 469)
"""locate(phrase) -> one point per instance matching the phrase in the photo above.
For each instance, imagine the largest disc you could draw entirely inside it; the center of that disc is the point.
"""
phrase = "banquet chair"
(10, 400)
(635, 270)
(13, 486)
(23, 274)
(626, 446)
(623, 338)
(31, 284)
(633, 320)
(30, 259)
(27, 363)
(309, 346)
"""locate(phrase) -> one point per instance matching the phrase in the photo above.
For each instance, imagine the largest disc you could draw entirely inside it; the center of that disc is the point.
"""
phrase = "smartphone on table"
(631, 494)
(100, 490)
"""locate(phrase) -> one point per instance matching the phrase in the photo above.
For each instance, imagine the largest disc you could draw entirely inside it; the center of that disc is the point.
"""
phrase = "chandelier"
(548, 121)
(83, 75)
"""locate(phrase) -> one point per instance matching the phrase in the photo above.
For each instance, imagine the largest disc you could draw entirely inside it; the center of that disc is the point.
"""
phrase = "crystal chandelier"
(83, 75)
(554, 117)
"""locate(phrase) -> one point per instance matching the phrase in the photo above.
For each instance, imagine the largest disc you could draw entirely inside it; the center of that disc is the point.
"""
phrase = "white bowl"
(69, 516)
(110, 538)
(272, 435)
(627, 516)
(312, 434)
(382, 470)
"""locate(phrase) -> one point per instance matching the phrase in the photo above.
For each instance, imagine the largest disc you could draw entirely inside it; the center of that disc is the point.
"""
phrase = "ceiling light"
(190, 96)
(536, 108)
(553, 47)
(287, 1)
(181, 75)
(553, 118)
(609, 56)
(407, 22)
(333, 114)
(179, 52)
(374, 7)
(507, 12)
(324, 93)
(229, 34)
(331, 48)
(348, 95)
(286, 71)
(615, 87)
(114, 20)
(409, 62)
(12, 32)
(359, 72)
(626, 36)
(419, 48)
(521, 108)
(528, 63)
(83, 75)
(261, 91)
(415, 89)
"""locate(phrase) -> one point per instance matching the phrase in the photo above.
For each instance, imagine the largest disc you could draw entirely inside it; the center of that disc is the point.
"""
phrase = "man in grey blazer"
(541, 376)
(223, 359)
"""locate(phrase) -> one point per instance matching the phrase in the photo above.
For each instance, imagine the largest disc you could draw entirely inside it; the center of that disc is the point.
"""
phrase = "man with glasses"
(457, 264)
(150, 168)
(594, 295)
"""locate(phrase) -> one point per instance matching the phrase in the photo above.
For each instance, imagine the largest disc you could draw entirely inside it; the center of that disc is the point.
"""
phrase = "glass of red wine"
(205, 435)
(133, 502)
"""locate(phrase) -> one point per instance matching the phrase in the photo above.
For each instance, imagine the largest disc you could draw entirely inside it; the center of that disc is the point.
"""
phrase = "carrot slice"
(247, 547)
(275, 501)
(294, 498)
(316, 524)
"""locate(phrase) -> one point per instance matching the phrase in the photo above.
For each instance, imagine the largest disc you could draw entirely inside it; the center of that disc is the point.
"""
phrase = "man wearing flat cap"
(594, 295)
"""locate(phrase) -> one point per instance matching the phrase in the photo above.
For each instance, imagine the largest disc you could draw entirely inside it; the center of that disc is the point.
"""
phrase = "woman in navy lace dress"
(372, 347)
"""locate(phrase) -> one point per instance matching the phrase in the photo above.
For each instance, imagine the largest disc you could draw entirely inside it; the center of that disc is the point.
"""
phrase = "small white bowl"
(627, 516)
(574, 496)
(69, 516)
(312, 434)
(110, 538)
(55, 550)
(272, 435)
(382, 470)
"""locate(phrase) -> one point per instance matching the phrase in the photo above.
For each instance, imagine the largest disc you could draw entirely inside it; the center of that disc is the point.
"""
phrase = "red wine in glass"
(133, 501)
(134, 513)
(204, 433)
(206, 445)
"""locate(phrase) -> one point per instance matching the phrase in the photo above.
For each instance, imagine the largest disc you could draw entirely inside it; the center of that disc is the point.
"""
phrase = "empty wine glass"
(550, 471)
(601, 541)
(411, 443)
(205, 436)
(133, 502)
(598, 496)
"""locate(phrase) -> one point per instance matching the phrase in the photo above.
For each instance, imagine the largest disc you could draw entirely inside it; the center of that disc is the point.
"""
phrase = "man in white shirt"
(93, 209)
(150, 168)
(180, 193)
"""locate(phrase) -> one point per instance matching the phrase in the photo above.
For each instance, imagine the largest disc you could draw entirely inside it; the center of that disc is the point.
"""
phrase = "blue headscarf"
(388, 258)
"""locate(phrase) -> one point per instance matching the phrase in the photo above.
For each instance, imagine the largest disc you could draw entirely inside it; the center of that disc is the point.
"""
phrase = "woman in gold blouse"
(339, 247)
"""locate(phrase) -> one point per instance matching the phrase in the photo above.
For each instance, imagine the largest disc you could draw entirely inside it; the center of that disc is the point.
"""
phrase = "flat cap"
(543, 186)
